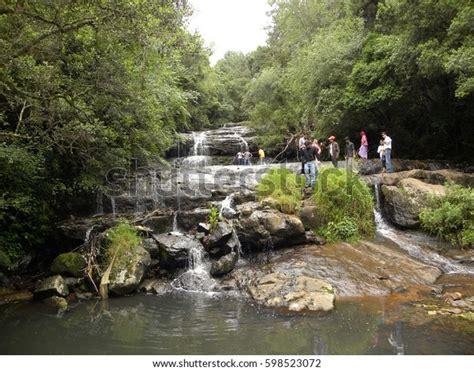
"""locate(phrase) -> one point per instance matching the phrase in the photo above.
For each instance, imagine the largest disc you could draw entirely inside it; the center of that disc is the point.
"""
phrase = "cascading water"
(413, 242)
(226, 208)
(197, 277)
(199, 152)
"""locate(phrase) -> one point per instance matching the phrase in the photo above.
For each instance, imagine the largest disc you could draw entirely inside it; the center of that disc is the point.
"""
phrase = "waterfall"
(197, 277)
(112, 205)
(226, 206)
(244, 146)
(199, 155)
(176, 230)
(199, 148)
(99, 204)
(413, 243)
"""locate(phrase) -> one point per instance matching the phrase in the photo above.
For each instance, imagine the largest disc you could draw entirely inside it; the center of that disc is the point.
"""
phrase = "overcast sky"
(236, 25)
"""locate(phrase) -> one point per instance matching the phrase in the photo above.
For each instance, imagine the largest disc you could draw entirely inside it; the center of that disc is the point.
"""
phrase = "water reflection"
(395, 339)
(199, 324)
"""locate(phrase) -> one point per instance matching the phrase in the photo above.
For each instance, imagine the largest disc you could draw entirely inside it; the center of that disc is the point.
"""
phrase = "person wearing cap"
(349, 155)
(333, 150)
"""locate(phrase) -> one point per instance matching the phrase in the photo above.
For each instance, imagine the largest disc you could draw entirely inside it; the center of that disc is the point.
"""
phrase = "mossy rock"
(5, 262)
(69, 264)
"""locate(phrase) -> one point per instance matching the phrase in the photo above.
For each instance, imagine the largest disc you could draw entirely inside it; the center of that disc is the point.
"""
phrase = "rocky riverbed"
(255, 251)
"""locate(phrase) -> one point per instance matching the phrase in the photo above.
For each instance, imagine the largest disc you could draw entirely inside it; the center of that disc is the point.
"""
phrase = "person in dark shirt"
(308, 157)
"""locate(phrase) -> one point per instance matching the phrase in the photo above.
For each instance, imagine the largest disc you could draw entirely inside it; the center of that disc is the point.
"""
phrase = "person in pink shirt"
(364, 146)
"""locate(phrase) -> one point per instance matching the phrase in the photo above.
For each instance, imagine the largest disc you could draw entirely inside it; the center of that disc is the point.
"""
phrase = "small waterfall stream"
(196, 278)
(413, 243)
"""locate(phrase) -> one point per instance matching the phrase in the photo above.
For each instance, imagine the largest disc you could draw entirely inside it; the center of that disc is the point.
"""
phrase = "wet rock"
(51, 286)
(247, 208)
(160, 223)
(309, 217)
(295, 293)
(174, 249)
(190, 219)
(69, 264)
(150, 245)
(262, 226)
(13, 296)
(73, 282)
(439, 177)
(224, 265)
(126, 278)
(56, 302)
(155, 286)
(355, 269)
(373, 166)
(218, 235)
(204, 228)
(403, 204)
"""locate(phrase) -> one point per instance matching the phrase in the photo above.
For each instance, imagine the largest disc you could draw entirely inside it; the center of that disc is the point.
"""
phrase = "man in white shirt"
(387, 143)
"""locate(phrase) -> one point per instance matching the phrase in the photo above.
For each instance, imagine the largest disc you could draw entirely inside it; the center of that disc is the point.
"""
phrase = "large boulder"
(218, 235)
(262, 226)
(224, 265)
(69, 264)
(403, 204)
(295, 293)
(125, 279)
(174, 249)
(150, 245)
(190, 219)
(367, 268)
(51, 286)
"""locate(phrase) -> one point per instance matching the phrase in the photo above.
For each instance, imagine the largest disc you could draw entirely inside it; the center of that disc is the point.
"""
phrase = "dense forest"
(89, 85)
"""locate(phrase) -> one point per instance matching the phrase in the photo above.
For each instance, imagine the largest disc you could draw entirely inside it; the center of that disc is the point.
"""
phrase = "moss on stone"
(71, 264)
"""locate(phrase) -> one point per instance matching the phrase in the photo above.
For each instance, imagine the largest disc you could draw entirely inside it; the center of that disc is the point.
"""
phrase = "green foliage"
(24, 213)
(283, 188)
(451, 217)
(213, 217)
(85, 87)
(344, 205)
(5, 262)
(339, 66)
(122, 242)
(344, 230)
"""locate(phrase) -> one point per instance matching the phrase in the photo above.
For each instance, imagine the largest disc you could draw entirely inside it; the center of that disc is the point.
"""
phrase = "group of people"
(245, 157)
(310, 152)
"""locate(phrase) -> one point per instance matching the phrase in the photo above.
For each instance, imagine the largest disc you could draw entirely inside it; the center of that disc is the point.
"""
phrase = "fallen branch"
(286, 147)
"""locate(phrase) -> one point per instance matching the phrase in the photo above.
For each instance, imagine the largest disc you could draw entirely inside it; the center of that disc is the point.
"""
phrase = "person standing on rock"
(247, 157)
(349, 155)
(381, 152)
(240, 158)
(308, 158)
(334, 150)
(261, 156)
(387, 147)
(318, 150)
(301, 148)
(364, 146)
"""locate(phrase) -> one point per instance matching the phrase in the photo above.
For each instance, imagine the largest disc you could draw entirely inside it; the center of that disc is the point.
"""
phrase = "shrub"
(283, 188)
(344, 205)
(213, 217)
(122, 242)
(344, 230)
(451, 217)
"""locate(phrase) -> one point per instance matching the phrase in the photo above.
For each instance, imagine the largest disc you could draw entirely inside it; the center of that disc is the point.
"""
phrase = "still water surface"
(183, 323)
